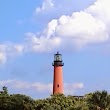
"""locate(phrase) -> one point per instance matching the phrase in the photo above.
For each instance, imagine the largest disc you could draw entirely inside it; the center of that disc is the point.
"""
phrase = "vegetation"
(99, 100)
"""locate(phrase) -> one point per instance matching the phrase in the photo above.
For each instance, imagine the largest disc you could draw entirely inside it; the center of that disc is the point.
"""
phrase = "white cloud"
(50, 30)
(82, 28)
(87, 27)
(23, 85)
(42, 87)
(3, 58)
(3, 83)
(41, 44)
(18, 48)
(69, 88)
(8, 50)
(101, 10)
(46, 5)
(56, 8)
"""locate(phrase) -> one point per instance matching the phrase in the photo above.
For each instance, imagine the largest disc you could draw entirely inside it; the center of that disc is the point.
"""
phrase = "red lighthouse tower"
(58, 75)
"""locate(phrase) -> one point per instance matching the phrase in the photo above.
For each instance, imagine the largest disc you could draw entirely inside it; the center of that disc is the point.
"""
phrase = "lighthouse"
(58, 74)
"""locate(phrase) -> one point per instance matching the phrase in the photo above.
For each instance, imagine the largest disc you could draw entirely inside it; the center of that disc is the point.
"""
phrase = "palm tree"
(99, 100)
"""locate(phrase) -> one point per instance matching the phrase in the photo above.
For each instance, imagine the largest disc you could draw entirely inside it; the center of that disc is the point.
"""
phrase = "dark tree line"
(99, 100)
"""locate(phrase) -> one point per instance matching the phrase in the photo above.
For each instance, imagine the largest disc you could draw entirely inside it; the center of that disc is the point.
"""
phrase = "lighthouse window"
(57, 58)
(57, 85)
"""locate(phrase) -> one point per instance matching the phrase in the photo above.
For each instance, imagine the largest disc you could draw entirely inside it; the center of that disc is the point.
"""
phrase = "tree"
(99, 100)
(55, 102)
(15, 101)
(5, 90)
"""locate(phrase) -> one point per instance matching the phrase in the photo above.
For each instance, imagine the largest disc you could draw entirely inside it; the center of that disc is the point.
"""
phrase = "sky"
(32, 31)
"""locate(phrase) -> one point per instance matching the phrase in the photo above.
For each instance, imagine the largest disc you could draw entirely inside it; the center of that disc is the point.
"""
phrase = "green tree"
(55, 102)
(99, 100)
(15, 101)
(5, 90)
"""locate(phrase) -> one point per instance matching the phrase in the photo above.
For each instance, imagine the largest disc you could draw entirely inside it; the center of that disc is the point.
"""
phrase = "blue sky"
(32, 31)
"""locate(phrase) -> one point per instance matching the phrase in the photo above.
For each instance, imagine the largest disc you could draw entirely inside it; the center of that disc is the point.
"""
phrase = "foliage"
(15, 101)
(99, 100)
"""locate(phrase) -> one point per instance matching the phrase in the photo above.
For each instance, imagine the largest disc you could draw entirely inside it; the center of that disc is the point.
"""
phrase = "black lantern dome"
(58, 60)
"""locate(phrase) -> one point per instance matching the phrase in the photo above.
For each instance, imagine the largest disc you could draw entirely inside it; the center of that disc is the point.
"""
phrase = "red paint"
(58, 80)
